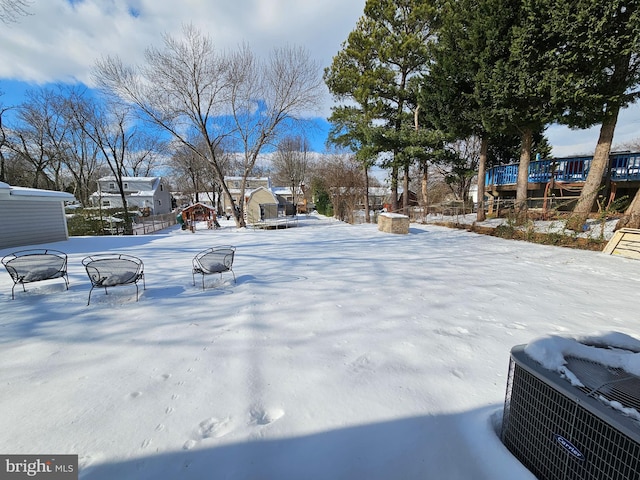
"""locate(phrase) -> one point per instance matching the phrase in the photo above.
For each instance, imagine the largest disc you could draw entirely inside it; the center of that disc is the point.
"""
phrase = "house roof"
(129, 179)
(137, 193)
(199, 204)
(7, 190)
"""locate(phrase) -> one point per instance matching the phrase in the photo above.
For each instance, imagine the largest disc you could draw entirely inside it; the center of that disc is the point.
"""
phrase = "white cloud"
(60, 41)
(567, 142)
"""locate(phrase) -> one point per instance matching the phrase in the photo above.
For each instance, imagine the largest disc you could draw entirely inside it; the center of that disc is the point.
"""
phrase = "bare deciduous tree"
(343, 179)
(290, 163)
(10, 10)
(192, 171)
(38, 127)
(108, 126)
(3, 142)
(190, 91)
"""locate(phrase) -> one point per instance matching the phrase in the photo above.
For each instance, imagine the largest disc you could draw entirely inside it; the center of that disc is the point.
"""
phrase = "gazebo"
(198, 212)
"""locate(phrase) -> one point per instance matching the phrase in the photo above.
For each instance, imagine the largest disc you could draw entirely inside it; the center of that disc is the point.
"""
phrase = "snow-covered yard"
(341, 353)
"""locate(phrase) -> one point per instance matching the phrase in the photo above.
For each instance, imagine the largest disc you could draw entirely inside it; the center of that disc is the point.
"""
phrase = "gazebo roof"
(198, 205)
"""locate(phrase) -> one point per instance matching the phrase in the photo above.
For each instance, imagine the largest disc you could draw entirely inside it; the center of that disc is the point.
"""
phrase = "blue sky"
(61, 40)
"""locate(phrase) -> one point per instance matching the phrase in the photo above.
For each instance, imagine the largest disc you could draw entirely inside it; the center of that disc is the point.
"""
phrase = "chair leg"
(89, 301)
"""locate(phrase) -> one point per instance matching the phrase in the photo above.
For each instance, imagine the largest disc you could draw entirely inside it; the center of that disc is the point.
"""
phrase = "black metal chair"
(214, 260)
(113, 270)
(27, 266)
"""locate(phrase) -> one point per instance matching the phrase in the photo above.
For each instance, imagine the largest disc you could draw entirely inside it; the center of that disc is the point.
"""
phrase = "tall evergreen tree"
(487, 80)
(518, 88)
(373, 70)
(594, 55)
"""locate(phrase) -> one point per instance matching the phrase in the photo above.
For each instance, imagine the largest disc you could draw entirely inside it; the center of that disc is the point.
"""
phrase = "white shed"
(29, 216)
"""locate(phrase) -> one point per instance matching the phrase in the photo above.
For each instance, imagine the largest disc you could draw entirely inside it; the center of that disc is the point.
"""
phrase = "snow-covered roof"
(138, 193)
(8, 190)
(129, 179)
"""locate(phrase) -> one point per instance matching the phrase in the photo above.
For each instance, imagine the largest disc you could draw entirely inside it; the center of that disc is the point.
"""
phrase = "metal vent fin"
(613, 384)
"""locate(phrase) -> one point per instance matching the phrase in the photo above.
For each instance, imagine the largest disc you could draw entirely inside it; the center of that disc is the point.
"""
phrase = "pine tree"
(596, 63)
(373, 70)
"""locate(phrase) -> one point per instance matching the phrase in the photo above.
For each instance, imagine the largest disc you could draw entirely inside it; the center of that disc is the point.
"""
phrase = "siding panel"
(26, 221)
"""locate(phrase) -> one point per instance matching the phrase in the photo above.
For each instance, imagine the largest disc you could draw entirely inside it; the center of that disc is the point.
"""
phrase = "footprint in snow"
(209, 428)
(214, 428)
(260, 416)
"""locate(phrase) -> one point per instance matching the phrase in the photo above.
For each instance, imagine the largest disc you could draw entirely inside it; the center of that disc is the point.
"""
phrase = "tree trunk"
(482, 167)
(424, 185)
(128, 223)
(367, 215)
(405, 188)
(596, 171)
(631, 217)
(394, 188)
(523, 173)
(3, 177)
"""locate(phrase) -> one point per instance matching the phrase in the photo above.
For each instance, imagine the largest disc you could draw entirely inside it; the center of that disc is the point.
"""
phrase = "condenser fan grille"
(612, 384)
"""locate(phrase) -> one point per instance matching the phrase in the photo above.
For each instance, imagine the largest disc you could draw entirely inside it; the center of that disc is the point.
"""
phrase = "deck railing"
(623, 167)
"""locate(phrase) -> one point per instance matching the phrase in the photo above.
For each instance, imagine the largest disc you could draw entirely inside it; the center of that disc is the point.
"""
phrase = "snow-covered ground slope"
(342, 352)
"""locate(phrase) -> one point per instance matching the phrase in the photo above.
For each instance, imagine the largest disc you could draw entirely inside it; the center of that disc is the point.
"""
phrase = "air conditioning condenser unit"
(560, 431)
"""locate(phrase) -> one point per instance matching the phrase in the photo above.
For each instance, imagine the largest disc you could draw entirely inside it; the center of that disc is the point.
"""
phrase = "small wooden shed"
(30, 216)
(262, 204)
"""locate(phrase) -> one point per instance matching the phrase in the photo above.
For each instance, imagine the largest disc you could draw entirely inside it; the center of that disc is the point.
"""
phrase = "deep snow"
(341, 353)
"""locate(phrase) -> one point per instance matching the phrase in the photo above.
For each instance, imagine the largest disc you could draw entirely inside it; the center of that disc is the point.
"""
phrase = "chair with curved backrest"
(27, 266)
(214, 260)
(112, 270)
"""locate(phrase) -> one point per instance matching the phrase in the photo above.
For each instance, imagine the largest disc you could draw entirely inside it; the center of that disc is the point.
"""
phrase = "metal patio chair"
(27, 266)
(214, 260)
(112, 270)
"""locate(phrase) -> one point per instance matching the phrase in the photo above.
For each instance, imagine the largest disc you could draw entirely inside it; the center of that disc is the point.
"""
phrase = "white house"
(149, 194)
(29, 216)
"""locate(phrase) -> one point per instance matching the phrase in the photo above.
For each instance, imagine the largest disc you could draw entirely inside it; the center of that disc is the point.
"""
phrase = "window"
(112, 186)
(161, 188)
(106, 203)
(126, 186)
